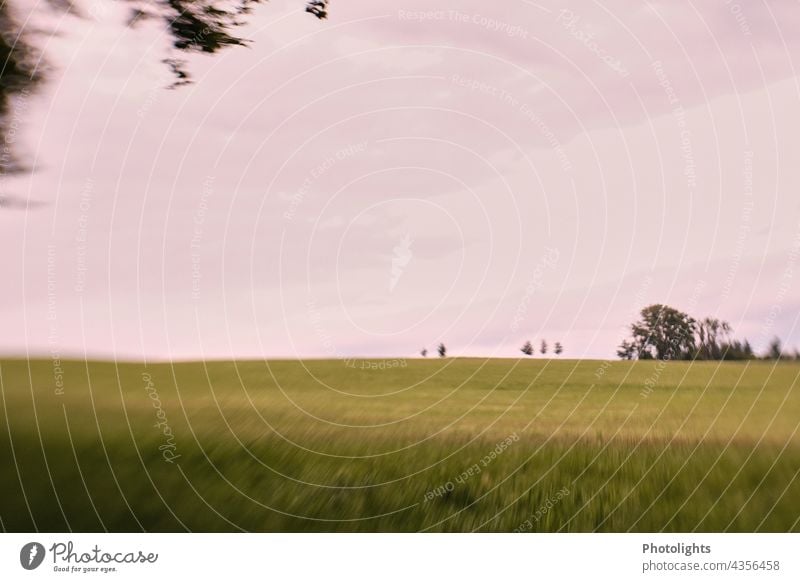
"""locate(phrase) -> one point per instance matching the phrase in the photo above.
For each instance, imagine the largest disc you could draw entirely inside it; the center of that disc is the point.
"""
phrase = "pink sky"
(409, 173)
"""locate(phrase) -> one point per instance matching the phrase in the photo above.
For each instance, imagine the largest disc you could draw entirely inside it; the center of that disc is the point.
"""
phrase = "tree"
(424, 352)
(558, 348)
(662, 332)
(626, 350)
(712, 337)
(775, 350)
(736, 350)
(527, 348)
(543, 347)
(442, 350)
(19, 75)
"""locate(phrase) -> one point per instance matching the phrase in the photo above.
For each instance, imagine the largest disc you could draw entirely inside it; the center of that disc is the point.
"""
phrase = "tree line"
(665, 333)
(526, 349)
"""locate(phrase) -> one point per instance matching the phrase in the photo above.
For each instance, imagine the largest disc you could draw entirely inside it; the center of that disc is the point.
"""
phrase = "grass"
(318, 446)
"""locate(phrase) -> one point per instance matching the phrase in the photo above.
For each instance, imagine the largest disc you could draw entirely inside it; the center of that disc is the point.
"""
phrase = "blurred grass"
(318, 446)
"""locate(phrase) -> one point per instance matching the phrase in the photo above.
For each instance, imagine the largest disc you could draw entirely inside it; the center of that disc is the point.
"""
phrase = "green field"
(437, 445)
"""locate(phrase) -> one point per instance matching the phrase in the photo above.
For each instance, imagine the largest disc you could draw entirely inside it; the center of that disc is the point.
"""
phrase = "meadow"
(424, 445)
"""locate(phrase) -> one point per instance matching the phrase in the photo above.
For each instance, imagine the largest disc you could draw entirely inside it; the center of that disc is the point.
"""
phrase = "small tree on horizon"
(424, 352)
(543, 347)
(775, 350)
(558, 348)
(626, 350)
(527, 348)
(442, 349)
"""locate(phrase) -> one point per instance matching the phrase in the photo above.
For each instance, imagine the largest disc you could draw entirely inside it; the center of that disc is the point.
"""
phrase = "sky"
(405, 174)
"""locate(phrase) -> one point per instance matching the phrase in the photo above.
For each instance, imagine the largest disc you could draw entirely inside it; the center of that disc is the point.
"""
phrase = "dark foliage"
(194, 26)
(527, 348)
(662, 333)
